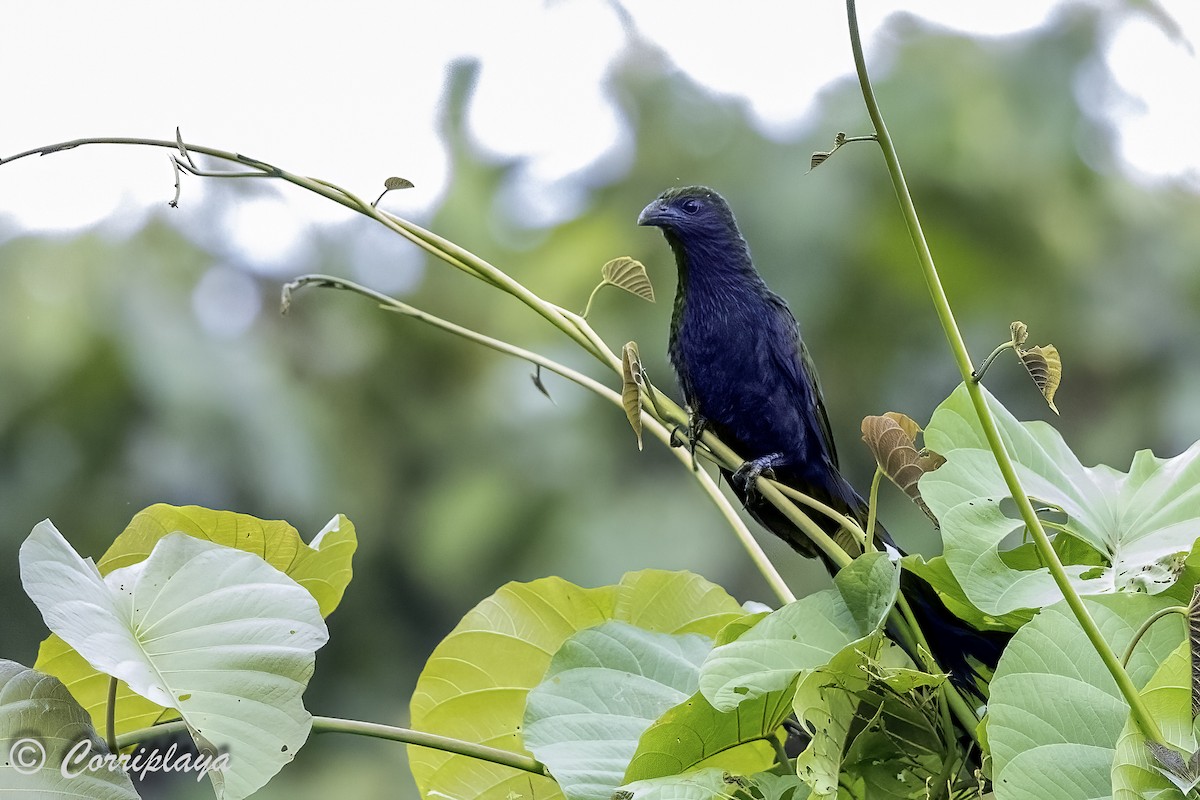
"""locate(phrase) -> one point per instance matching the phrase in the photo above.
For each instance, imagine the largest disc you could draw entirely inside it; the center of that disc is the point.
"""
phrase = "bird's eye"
(690, 206)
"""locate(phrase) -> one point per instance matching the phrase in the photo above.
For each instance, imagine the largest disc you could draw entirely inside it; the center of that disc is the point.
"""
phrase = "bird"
(747, 376)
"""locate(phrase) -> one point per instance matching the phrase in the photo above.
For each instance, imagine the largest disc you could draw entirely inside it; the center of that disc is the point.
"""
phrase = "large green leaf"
(41, 726)
(827, 711)
(604, 687)
(937, 574)
(801, 636)
(216, 634)
(1141, 523)
(716, 784)
(323, 567)
(1136, 773)
(1055, 713)
(695, 735)
(475, 684)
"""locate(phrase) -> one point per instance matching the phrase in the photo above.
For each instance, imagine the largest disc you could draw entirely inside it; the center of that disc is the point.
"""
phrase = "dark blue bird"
(743, 368)
(747, 376)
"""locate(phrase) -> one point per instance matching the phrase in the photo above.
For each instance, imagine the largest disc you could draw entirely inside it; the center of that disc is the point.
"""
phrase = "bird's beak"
(654, 214)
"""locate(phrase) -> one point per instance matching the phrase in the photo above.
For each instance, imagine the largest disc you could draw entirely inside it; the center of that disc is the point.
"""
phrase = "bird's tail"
(968, 654)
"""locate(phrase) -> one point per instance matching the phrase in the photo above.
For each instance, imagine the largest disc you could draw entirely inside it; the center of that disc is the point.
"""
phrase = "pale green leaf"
(827, 711)
(633, 385)
(1140, 523)
(1136, 773)
(715, 784)
(603, 688)
(695, 735)
(801, 636)
(475, 684)
(1055, 713)
(218, 635)
(322, 567)
(41, 726)
(937, 574)
(869, 586)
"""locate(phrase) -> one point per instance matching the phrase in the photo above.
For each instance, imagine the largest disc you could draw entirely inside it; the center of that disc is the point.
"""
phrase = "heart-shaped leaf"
(892, 439)
(322, 567)
(1055, 714)
(802, 636)
(476, 683)
(218, 635)
(1140, 523)
(628, 274)
(41, 729)
(604, 687)
(1148, 769)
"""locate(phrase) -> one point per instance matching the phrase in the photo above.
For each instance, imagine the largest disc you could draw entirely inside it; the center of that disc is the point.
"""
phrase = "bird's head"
(701, 230)
(690, 212)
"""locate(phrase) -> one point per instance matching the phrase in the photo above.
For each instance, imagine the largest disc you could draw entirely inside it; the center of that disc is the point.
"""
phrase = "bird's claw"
(749, 472)
(694, 430)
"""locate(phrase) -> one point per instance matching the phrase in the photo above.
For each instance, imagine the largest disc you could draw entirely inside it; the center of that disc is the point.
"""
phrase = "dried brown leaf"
(1045, 367)
(891, 438)
(906, 423)
(633, 384)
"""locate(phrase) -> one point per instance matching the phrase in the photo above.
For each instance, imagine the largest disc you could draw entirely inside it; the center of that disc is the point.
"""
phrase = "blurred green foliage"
(457, 472)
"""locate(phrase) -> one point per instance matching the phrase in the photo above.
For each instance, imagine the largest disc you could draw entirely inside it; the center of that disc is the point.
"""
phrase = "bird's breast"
(724, 358)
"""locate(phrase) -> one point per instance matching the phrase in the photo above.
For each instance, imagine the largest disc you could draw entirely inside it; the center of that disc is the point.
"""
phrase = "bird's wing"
(795, 361)
(809, 370)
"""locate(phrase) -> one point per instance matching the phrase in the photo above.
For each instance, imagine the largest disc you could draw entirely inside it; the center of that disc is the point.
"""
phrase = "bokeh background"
(1050, 149)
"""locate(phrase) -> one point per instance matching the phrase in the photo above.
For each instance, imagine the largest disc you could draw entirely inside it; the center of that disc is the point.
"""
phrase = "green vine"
(963, 359)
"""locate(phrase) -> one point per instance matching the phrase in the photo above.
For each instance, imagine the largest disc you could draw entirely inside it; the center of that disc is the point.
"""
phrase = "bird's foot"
(691, 435)
(748, 473)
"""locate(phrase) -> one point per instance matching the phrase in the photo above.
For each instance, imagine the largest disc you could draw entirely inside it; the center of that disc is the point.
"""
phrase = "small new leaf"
(392, 184)
(1045, 367)
(891, 438)
(633, 384)
(628, 274)
(1020, 332)
(1171, 766)
(819, 158)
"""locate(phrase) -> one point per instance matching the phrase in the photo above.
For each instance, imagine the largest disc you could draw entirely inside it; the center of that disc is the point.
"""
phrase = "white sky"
(349, 91)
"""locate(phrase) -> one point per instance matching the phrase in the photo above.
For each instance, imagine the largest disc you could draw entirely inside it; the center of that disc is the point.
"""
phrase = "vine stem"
(1147, 625)
(657, 429)
(962, 358)
(570, 323)
(505, 758)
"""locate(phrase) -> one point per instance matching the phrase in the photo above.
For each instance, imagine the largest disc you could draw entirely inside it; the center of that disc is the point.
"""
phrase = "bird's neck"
(712, 271)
